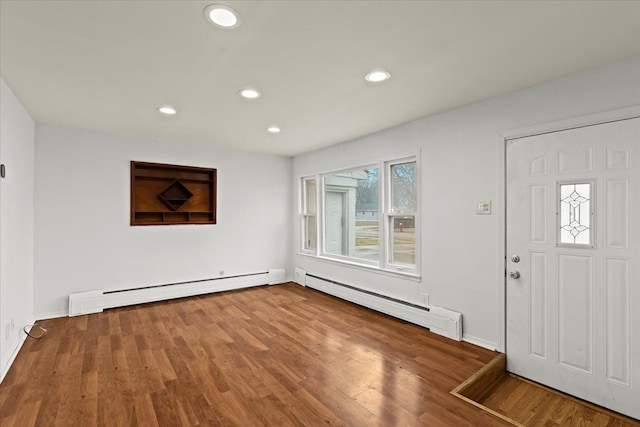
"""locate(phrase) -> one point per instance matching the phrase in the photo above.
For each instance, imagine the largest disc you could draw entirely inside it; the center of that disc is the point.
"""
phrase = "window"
(575, 214)
(351, 214)
(309, 221)
(368, 215)
(401, 214)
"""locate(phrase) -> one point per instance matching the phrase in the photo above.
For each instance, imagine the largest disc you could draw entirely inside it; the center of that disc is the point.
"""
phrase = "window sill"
(393, 273)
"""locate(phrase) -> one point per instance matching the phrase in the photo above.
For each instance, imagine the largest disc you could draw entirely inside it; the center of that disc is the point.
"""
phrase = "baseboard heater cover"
(439, 320)
(96, 301)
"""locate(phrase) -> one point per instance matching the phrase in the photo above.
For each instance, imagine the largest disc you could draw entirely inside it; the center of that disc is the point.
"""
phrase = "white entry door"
(573, 238)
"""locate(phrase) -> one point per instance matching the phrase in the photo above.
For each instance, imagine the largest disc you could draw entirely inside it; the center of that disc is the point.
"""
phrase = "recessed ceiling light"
(223, 16)
(273, 129)
(249, 93)
(167, 110)
(377, 76)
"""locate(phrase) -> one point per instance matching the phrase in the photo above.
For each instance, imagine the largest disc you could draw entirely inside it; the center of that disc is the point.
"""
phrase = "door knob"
(514, 274)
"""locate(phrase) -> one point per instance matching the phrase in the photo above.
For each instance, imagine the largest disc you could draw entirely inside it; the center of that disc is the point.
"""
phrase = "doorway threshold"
(521, 402)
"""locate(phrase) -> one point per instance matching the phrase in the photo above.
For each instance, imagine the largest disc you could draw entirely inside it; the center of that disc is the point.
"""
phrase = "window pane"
(403, 187)
(367, 240)
(352, 214)
(310, 196)
(310, 232)
(575, 214)
(403, 240)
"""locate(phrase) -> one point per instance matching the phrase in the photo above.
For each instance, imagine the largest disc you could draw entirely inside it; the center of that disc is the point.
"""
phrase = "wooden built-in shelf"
(172, 194)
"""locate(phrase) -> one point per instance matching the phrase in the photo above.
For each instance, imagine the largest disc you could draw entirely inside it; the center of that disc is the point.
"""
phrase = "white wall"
(460, 160)
(16, 224)
(83, 238)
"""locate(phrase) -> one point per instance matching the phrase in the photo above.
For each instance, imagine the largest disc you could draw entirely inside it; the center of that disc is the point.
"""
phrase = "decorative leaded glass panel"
(575, 214)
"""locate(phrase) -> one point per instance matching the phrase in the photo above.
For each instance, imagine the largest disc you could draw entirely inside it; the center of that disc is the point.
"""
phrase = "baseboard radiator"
(96, 301)
(438, 320)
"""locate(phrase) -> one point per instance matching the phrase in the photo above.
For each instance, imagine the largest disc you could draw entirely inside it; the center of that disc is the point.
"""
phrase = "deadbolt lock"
(515, 258)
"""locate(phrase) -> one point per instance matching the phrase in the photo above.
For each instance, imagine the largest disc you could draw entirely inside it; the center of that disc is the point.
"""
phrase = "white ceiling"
(107, 65)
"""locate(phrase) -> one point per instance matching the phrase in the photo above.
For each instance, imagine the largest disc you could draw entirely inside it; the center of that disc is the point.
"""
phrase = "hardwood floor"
(525, 403)
(269, 356)
(533, 405)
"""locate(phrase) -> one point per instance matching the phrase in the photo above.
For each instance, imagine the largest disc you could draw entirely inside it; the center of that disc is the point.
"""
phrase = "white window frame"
(385, 217)
(389, 216)
(305, 215)
(323, 192)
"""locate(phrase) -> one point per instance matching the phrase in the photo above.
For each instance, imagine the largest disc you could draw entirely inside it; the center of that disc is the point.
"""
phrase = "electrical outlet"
(483, 207)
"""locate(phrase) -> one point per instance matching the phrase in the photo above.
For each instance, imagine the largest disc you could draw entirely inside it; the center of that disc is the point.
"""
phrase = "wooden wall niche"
(172, 194)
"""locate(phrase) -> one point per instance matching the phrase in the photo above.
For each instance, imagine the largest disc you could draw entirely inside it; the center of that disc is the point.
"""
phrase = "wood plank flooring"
(269, 356)
(533, 405)
(526, 403)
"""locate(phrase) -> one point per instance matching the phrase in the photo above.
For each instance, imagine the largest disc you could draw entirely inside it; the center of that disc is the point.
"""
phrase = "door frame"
(504, 138)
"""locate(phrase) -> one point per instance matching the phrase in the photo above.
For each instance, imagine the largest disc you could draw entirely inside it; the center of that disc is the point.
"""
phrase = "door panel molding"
(538, 335)
(575, 328)
(617, 326)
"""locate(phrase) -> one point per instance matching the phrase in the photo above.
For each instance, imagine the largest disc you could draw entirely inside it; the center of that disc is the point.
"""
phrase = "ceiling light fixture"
(249, 93)
(168, 110)
(273, 129)
(222, 16)
(377, 76)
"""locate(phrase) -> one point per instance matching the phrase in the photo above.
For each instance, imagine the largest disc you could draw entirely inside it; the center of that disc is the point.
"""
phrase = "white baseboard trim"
(99, 300)
(479, 342)
(140, 296)
(437, 319)
(300, 277)
(277, 276)
(52, 315)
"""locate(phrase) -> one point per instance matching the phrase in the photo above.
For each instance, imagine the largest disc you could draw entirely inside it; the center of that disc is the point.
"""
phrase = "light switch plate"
(483, 207)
